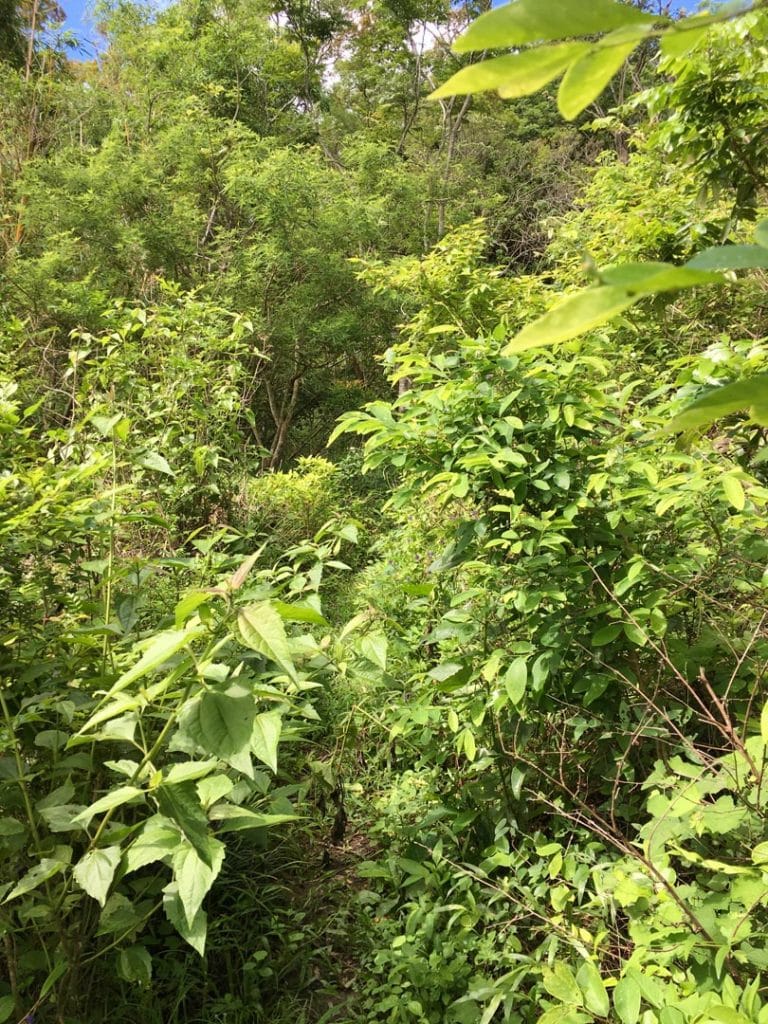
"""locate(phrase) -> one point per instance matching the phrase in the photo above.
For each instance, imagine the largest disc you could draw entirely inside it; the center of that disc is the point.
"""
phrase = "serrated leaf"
(515, 75)
(194, 875)
(188, 771)
(586, 78)
(265, 737)
(261, 629)
(40, 873)
(373, 647)
(195, 933)
(163, 647)
(134, 964)
(159, 838)
(115, 798)
(95, 871)
(232, 818)
(221, 723)
(182, 805)
(531, 21)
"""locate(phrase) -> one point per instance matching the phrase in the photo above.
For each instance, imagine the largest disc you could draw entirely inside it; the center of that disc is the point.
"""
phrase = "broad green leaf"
(232, 818)
(221, 723)
(682, 38)
(163, 647)
(730, 257)
(760, 852)
(116, 708)
(62, 819)
(516, 680)
(734, 492)
(560, 983)
(213, 788)
(188, 771)
(651, 989)
(624, 286)
(11, 827)
(586, 78)
(41, 873)
(635, 634)
(266, 736)
(195, 876)
(591, 984)
(158, 839)
(764, 724)
(514, 75)
(115, 798)
(262, 630)
(468, 744)
(373, 647)
(606, 634)
(182, 805)
(571, 317)
(134, 964)
(749, 395)
(157, 462)
(302, 612)
(188, 605)
(761, 233)
(7, 1006)
(532, 21)
(95, 871)
(195, 933)
(626, 1000)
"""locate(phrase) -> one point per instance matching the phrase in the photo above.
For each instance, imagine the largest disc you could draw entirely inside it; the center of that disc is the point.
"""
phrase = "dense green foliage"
(460, 716)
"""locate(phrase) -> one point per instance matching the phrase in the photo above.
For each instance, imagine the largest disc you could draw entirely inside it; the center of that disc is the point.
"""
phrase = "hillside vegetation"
(384, 514)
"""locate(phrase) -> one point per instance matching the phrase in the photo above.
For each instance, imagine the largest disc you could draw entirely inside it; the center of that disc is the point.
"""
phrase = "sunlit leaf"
(514, 75)
(588, 76)
(749, 395)
(531, 21)
(261, 628)
(94, 873)
(266, 736)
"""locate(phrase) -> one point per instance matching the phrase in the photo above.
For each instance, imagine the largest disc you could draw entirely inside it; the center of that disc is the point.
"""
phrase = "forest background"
(463, 722)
